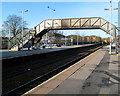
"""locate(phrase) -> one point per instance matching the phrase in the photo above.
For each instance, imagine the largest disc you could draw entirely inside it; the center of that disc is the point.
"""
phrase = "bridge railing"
(76, 23)
(16, 41)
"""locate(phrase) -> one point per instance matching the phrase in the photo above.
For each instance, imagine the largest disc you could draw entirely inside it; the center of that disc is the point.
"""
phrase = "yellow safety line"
(93, 49)
(118, 54)
(13, 50)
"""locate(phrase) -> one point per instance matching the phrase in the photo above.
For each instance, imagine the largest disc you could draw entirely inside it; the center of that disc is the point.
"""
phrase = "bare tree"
(2, 33)
(13, 24)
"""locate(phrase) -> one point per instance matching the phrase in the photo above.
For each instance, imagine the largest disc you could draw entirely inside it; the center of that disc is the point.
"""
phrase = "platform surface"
(98, 73)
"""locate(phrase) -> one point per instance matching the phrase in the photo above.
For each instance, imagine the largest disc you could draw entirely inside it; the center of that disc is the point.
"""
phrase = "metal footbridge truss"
(68, 24)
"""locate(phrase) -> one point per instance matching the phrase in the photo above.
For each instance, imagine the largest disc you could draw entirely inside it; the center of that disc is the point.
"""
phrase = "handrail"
(15, 39)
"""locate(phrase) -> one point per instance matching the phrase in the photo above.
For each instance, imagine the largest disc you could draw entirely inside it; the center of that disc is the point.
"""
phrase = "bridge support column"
(116, 45)
(118, 25)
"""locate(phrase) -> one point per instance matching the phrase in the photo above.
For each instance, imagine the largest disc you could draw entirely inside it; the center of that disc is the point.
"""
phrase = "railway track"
(46, 71)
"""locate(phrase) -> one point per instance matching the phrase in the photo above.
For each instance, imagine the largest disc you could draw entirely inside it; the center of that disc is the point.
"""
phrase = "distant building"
(95, 39)
(85, 39)
(53, 38)
(92, 39)
(106, 40)
(3, 42)
(73, 39)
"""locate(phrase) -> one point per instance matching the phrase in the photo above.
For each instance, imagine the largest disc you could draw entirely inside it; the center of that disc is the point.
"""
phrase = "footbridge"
(63, 24)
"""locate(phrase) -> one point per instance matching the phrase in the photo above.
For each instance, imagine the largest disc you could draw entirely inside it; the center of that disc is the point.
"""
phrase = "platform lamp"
(22, 11)
(110, 51)
(9, 38)
(50, 9)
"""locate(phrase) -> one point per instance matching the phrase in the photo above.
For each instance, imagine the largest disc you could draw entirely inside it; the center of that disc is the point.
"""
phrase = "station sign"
(32, 31)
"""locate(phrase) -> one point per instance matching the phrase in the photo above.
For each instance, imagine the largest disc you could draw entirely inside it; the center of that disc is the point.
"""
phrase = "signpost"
(32, 32)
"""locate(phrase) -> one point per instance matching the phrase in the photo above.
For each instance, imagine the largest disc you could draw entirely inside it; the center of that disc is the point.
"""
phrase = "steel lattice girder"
(77, 23)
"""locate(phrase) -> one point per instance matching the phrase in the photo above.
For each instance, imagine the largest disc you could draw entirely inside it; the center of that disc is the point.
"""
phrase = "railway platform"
(97, 73)
(25, 52)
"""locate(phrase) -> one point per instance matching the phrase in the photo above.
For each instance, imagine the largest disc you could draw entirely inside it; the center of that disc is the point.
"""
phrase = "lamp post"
(118, 24)
(9, 38)
(117, 33)
(65, 41)
(77, 37)
(71, 41)
(110, 28)
(23, 11)
(50, 11)
(117, 28)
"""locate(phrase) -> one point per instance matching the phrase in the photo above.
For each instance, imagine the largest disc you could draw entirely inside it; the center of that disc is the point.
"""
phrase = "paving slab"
(70, 86)
(75, 82)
